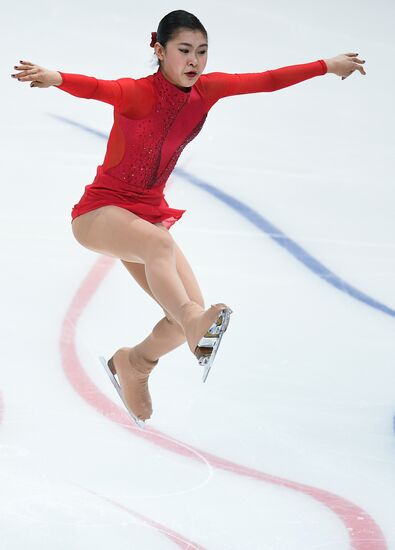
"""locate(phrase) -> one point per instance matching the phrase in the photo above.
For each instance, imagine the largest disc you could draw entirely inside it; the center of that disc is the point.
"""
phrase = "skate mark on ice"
(363, 531)
(87, 389)
(178, 539)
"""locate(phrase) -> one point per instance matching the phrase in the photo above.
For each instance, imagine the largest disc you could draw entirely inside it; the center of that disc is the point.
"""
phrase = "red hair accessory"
(153, 39)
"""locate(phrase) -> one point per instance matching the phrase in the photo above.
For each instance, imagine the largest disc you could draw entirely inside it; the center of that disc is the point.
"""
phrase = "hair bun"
(153, 39)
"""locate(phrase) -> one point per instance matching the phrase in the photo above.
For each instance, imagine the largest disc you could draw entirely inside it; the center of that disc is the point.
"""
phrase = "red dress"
(153, 122)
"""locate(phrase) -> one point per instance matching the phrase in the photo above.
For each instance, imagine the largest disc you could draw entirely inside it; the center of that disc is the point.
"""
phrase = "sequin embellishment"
(144, 139)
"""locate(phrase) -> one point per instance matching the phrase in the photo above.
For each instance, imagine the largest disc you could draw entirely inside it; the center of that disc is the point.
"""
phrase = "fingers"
(356, 65)
(28, 70)
(25, 75)
(23, 66)
(360, 68)
(350, 73)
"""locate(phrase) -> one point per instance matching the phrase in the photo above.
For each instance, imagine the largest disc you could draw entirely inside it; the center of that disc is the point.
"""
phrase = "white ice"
(303, 386)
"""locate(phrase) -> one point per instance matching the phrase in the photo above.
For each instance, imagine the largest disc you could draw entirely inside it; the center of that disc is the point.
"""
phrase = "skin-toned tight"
(155, 261)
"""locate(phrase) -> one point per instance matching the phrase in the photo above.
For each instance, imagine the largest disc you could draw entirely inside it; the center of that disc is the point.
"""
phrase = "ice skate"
(204, 331)
(132, 372)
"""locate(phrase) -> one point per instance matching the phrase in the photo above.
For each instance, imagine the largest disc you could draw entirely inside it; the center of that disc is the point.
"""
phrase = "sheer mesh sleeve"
(216, 85)
(131, 97)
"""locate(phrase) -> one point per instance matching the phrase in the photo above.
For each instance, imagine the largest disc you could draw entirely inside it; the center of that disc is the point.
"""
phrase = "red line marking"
(363, 531)
(179, 540)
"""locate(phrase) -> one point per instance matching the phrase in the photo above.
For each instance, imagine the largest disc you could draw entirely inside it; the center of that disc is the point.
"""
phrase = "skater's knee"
(160, 245)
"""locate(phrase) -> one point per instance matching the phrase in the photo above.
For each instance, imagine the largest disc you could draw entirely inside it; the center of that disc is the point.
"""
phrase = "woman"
(123, 212)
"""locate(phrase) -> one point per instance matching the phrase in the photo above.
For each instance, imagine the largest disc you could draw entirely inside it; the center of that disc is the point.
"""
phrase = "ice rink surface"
(290, 220)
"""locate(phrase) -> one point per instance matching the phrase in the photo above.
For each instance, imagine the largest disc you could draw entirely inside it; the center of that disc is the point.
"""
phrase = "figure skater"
(123, 212)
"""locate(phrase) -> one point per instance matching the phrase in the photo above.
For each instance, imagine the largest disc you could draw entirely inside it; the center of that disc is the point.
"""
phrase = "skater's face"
(186, 52)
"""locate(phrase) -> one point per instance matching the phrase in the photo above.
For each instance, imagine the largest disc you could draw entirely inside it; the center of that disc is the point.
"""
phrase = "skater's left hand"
(345, 64)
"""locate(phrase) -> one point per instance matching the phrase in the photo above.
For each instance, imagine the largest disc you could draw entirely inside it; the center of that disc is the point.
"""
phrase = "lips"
(191, 73)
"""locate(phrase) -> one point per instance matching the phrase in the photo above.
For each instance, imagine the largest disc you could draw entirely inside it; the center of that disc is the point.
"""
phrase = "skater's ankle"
(189, 306)
(142, 357)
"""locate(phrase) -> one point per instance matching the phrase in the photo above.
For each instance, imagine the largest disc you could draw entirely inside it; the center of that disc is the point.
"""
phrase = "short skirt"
(150, 205)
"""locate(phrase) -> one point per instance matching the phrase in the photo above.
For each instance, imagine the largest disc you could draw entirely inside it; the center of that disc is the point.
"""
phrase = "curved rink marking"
(364, 533)
(266, 227)
(281, 239)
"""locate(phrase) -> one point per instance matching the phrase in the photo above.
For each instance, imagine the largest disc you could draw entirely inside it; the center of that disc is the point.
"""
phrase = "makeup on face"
(201, 52)
(186, 61)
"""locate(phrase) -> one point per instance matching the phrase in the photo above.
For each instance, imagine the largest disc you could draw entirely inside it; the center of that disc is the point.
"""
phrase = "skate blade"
(140, 423)
(218, 328)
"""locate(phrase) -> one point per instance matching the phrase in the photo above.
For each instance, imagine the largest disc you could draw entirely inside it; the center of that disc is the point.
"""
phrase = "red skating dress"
(153, 122)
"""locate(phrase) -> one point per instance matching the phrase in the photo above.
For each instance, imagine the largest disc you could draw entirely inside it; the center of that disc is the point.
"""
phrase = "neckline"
(161, 76)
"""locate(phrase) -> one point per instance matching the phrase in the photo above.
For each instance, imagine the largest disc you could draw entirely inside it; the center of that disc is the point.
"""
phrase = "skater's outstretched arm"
(217, 85)
(129, 96)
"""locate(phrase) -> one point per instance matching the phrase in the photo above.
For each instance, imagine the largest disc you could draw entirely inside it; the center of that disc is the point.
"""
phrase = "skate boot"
(204, 331)
(132, 371)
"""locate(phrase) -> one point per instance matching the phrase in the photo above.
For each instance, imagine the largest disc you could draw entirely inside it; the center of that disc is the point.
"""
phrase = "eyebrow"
(186, 44)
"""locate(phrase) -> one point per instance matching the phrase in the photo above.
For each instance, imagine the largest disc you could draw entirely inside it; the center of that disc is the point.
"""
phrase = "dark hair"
(175, 21)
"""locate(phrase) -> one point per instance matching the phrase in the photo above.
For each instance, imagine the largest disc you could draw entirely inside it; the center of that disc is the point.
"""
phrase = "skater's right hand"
(39, 76)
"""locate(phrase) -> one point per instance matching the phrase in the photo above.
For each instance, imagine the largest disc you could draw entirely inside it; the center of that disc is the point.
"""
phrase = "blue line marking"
(291, 246)
(273, 232)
